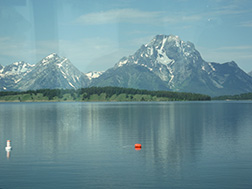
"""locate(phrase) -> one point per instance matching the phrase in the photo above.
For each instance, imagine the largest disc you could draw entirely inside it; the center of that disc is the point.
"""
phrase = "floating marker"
(8, 147)
(138, 146)
(8, 153)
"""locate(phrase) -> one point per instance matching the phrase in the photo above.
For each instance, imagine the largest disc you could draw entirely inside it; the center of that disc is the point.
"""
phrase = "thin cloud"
(182, 18)
(12, 48)
(118, 16)
(229, 10)
(231, 7)
(236, 48)
(135, 16)
(247, 24)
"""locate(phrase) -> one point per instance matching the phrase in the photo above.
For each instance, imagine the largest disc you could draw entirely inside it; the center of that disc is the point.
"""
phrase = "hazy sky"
(95, 34)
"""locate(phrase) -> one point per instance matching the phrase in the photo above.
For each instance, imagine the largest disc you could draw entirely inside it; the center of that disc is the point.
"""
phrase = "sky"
(96, 34)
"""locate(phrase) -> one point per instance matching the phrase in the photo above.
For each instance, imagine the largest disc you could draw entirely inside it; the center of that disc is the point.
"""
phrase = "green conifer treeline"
(99, 94)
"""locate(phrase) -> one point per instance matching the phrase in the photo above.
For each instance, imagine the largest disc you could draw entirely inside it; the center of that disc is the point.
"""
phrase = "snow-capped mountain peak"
(94, 74)
(162, 38)
(52, 72)
(177, 65)
(52, 55)
(163, 49)
(172, 47)
(54, 59)
(165, 63)
(164, 55)
(50, 59)
(17, 68)
(13, 73)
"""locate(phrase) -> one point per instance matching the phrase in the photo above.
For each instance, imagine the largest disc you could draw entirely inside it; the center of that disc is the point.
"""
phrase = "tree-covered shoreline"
(244, 96)
(98, 94)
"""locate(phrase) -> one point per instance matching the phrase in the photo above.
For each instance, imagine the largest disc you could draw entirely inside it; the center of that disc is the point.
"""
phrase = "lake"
(91, 145)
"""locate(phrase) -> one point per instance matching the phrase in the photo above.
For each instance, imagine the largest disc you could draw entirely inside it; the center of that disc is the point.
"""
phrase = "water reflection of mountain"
(173, 133)
(170, 133)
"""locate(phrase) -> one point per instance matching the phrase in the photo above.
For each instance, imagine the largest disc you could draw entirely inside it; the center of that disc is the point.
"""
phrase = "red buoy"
(138, 146)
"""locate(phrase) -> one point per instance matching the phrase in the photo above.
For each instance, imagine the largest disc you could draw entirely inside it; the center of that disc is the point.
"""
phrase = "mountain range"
(52, 72)
(165, 63)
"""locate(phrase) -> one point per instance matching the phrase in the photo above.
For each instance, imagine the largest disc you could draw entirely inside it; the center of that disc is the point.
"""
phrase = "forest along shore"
(98, 94)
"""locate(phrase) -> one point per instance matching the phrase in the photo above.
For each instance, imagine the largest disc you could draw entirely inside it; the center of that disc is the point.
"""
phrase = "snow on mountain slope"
(10, 75)
(94, 74)
(165, 63)
(1, 68)
(53, 72)
(180, 66)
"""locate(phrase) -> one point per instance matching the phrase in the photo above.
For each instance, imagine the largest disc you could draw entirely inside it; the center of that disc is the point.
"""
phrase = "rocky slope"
(52, 72)
(173, 64)
(165, 63)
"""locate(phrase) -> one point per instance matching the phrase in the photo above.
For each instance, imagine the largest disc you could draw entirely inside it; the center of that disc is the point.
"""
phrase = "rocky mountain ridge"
(176, 65)
(165, 63)
(52, 72)
(10, 75)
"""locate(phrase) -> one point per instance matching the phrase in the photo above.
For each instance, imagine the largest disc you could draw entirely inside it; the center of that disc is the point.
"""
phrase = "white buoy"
(8, 147)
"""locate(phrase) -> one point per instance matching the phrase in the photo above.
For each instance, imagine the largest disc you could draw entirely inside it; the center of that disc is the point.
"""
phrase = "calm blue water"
(91, 145)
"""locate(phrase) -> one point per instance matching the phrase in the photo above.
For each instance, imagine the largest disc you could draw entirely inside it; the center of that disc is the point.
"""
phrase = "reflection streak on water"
(175, 137)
